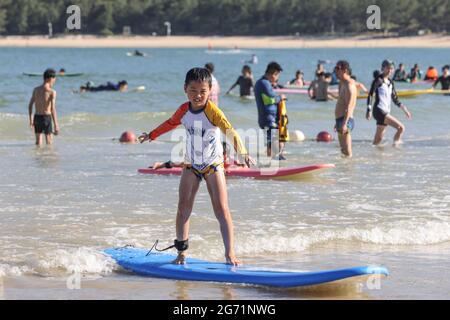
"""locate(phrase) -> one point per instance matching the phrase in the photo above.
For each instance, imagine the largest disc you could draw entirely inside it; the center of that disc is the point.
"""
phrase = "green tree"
(101, 18)
(17, 18)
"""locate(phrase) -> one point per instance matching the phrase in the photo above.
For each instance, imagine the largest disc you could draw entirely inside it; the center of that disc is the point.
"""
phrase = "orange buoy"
(128, 137)
(324, 136)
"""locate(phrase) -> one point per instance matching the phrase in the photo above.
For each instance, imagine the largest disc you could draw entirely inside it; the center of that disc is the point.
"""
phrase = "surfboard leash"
(179, 245)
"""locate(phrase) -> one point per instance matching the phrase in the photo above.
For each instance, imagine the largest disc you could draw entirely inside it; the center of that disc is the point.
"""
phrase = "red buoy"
(128, 137)
(324, 136)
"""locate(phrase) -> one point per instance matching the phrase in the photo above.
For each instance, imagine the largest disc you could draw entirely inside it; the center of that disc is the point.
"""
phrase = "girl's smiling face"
(197, 93)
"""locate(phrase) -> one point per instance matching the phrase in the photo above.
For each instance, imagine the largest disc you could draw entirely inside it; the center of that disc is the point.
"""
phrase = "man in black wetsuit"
(245, 82)
(444, 79)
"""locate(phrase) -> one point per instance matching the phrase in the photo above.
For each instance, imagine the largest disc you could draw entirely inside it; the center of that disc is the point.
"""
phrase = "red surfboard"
(260, 173)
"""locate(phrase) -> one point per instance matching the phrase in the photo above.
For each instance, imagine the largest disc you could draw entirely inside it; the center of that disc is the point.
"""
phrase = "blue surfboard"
(160, 265)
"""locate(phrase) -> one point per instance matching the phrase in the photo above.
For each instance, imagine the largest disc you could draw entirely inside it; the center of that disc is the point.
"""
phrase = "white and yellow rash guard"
(203, 128)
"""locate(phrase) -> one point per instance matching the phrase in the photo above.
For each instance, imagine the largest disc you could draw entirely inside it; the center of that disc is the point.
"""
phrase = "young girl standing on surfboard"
(203, 121)
(383, 88)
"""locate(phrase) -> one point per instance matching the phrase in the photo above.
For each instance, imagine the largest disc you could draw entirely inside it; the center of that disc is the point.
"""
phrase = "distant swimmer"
(121, 86)
(444, 80)
(215, 89)
(319, 70)
(400, 74)
(432, 74)
(62, 72)
(384, 90)
(345, 107)
(245, 82)
(253, 59)
(298, 80)
(138, 53)
(415, 74)
(44, 99)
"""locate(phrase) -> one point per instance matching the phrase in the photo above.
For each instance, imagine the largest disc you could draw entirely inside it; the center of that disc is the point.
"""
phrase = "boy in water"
(245, 82)
(203, 121)
(267, 102)
(345, 106)
(44, 98)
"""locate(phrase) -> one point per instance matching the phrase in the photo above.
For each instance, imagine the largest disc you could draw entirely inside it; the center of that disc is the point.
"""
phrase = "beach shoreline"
(232, 42)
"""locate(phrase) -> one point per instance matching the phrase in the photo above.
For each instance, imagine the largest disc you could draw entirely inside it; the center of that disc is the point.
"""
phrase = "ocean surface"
(61, 206)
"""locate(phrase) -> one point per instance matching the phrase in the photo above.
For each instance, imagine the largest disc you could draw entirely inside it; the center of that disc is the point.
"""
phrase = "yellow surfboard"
(412, 93)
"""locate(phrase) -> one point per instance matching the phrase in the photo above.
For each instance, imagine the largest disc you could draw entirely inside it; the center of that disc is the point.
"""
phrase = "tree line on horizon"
(224, 17)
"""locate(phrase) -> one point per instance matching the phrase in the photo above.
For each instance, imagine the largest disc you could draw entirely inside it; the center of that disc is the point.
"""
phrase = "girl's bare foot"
(181, 259)
(233, 261)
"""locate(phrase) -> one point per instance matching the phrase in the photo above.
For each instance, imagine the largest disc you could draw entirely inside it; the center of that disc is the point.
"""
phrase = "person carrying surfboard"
(345, 106)
(267, 102)
(384, 90)
(44, 99)
(204, 122)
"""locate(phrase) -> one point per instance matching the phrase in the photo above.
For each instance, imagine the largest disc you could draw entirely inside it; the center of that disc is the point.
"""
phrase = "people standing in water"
(318, 89)
(215, 89)
(267, 102)
(298, 80)
(380, 108)
(415, 74)
(432, 74)
(44, 99)
(121, 86)
(400, 74)
(319, 70)
(204, 122)
(245, 82)
(444, 80)
(345, 107)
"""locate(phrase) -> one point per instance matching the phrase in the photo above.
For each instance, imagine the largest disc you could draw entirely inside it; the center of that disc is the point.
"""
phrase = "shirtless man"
(44, 98)
(345, 106)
